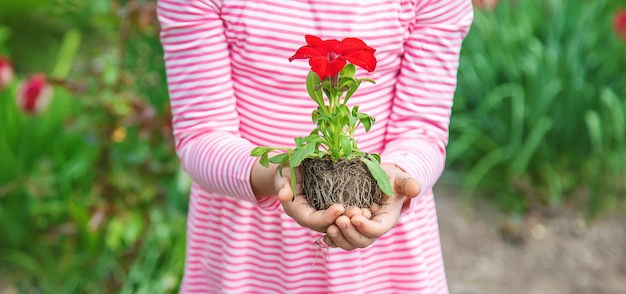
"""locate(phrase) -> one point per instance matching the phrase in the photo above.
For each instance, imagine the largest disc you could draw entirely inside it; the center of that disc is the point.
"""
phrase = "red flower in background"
(485, 4)
(34, 95)
(328, 57)
(6, 72)
(619, 23)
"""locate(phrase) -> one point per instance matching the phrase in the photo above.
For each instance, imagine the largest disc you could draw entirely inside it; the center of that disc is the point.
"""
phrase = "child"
(232, 88)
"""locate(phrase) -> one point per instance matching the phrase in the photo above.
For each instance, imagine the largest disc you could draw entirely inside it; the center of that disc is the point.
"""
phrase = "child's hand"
(356, 229)
(299, 209)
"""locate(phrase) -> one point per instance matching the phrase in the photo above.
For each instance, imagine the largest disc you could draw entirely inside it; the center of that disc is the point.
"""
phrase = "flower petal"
(362, 58)
(6, 72)
(318, 66)
(619, 23)
(308, 52)
(335, 66)
(313, 40)
(34, 94)
(332, 45)
(328, 57)
(352, 44)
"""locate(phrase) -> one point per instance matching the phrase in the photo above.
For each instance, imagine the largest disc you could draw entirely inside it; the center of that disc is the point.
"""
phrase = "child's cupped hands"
(359, 228)
(299, 209)
(353, 227)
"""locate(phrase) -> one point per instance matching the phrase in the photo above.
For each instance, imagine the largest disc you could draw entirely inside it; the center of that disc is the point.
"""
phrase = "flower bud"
(34, 95)
(485, 4)
(619, 23)
(6, 72)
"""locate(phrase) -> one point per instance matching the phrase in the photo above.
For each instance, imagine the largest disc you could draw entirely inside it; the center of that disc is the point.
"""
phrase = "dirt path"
(556, 255)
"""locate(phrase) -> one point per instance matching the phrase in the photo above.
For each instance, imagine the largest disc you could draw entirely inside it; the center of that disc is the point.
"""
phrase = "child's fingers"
(405, 185)
(307, 216)
(370, 228)
(366, 213)
(284, 194)
(352, 211)
(402, 182)
(351, 234)
(337, 239)
(282, 185)
(284, 190)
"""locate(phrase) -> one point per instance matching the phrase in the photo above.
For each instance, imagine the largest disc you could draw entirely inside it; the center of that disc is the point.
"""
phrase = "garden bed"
(547, 254)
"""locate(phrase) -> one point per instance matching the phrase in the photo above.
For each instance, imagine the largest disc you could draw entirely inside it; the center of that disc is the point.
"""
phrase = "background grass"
(539, 117)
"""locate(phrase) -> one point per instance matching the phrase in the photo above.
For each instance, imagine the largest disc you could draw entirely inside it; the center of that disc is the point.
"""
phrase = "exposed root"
(345, 182)
(322, 249)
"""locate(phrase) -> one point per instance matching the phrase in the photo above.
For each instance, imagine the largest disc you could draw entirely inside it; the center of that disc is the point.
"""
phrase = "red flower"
(328, 57)
(485, 4)
(6, 72)
(34, 95)
(619, 23)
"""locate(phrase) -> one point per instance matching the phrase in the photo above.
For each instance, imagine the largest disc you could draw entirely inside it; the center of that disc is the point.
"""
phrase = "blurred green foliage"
(539, 117)
(92, 198)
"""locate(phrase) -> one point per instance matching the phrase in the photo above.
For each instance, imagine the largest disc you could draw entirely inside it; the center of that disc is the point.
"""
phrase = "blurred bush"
(92, 199)
(539, 117)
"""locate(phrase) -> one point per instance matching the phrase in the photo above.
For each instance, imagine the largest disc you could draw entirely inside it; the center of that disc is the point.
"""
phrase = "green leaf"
(353, 87)
(312, 86)
(259, 151)
(369, 80)
(351, 122)
(479, 171)
(327, 90)
(532, 144)
(264, 160)
(348, 71)
(346, 145)
(292, 172)
(379, 174)
(67, 54)
(346, 84)
(343, 110)
(280, 168)
(617, 113)
(355, 111)
(324, 118)
(341, 119)
(312, 139)
(315, 115)
(299, 154)
(594, 128)
(366, 120)
(280, 158)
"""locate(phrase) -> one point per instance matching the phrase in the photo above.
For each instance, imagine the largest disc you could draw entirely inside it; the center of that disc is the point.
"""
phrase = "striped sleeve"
(205, 121)
(417, 133)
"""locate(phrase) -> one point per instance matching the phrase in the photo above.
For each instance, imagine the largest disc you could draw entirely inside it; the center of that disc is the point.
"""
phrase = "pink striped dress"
(232, 88)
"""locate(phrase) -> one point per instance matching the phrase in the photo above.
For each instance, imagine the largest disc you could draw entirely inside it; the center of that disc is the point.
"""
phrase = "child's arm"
(205, 120)
(417, 133)
(262, 180)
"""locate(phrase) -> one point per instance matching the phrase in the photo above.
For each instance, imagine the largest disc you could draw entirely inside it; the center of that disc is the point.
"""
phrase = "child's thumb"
(406, 185)
(284, 193)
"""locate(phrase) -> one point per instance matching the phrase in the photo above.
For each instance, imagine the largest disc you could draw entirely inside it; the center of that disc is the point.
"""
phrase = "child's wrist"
(262, 179)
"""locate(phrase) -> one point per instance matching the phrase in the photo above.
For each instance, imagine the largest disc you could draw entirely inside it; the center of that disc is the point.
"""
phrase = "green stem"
(334, 81)
(278, 148)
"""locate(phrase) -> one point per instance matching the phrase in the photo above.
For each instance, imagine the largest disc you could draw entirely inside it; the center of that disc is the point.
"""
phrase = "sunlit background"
(92, 198)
